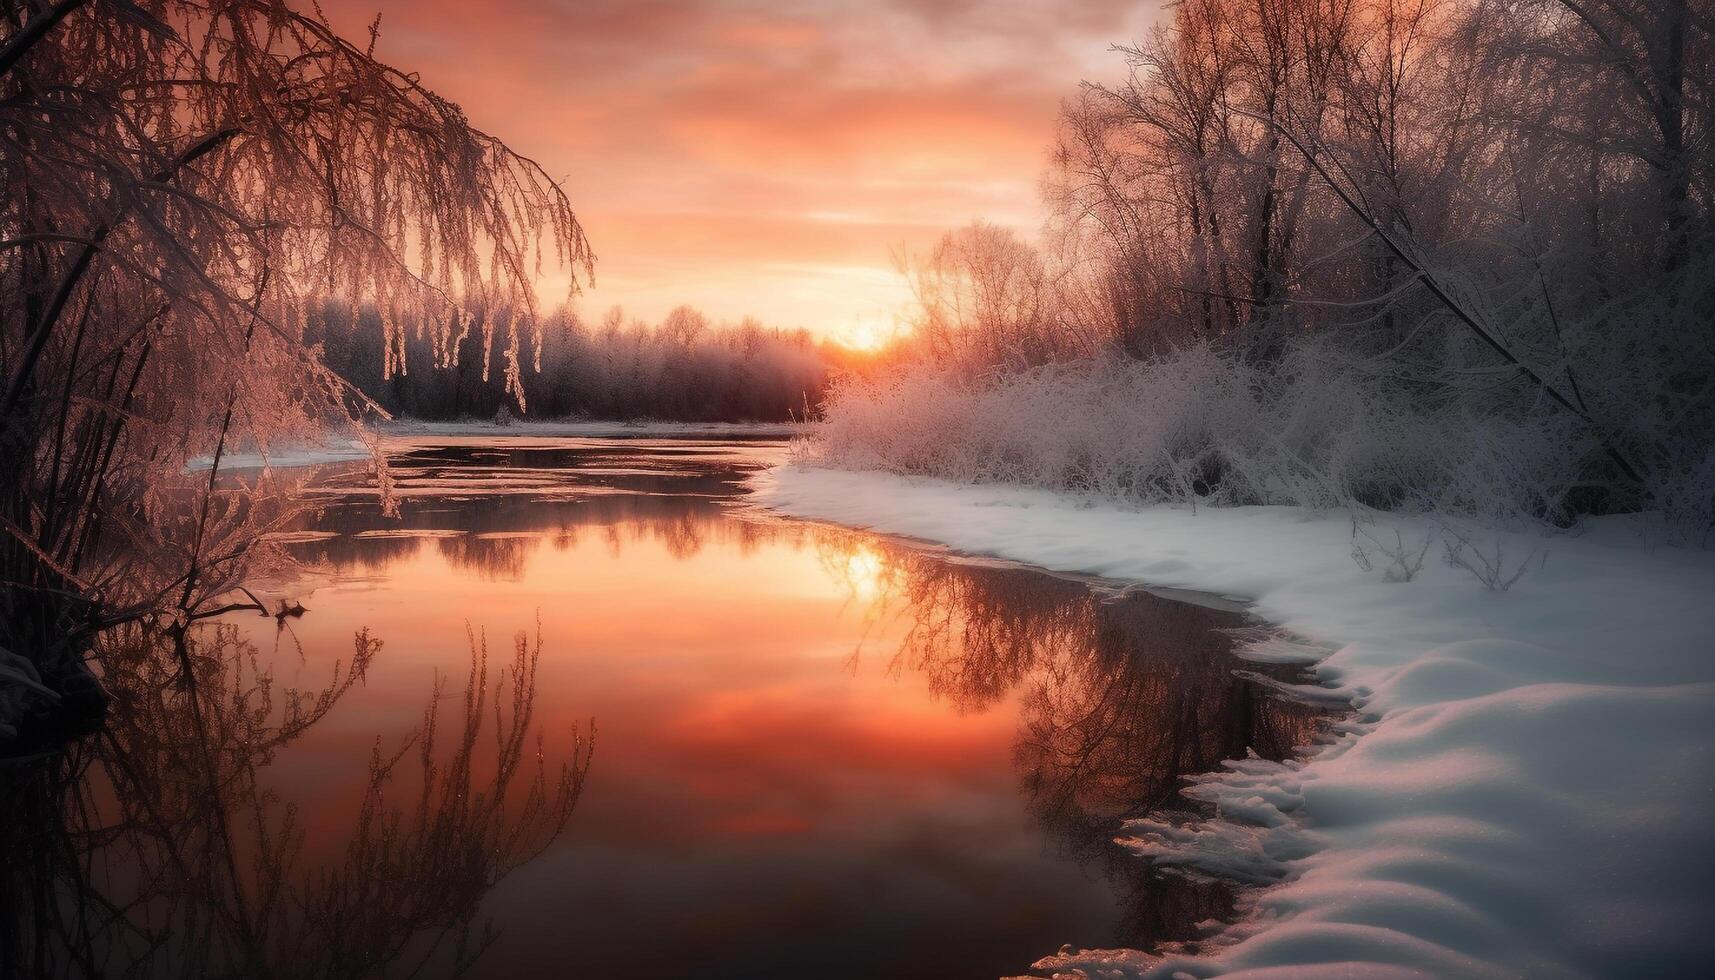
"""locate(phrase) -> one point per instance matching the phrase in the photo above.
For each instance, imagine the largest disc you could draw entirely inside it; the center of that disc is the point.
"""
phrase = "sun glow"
(867, 336)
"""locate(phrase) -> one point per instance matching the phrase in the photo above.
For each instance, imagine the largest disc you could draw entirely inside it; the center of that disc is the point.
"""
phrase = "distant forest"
(684, 368)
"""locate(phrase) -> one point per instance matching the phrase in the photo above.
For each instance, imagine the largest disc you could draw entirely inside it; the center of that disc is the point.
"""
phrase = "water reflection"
(487, 509)
(161, 848)
(824, 753)
(1120, 694)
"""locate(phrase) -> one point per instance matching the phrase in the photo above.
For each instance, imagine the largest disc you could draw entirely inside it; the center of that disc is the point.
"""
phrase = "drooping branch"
(68, 284)
(34, 31)
(182, 183)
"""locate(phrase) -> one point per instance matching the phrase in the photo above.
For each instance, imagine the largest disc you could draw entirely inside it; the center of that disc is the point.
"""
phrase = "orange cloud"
(714, 146)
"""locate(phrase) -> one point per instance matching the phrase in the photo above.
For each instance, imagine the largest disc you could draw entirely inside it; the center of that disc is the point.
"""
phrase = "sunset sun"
(866, 336)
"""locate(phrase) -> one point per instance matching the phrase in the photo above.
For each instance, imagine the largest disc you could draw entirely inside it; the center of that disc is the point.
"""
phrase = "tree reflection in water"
(1121, 696)
(154, 847)
(496, 536)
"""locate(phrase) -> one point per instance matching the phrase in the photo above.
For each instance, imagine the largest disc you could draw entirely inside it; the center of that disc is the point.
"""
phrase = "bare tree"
(1484, 222)
(986, 298)
(179, 179)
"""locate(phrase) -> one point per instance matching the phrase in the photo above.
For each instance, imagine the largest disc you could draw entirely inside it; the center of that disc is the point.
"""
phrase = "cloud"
(707, 143)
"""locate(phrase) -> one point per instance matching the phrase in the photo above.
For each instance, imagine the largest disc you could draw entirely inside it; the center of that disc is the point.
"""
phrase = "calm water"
(818, 753)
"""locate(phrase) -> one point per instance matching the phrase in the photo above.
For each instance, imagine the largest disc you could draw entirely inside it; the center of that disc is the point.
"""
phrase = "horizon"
(765, 160)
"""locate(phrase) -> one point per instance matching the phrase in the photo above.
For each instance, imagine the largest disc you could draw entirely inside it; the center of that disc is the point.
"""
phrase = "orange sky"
(761, 157)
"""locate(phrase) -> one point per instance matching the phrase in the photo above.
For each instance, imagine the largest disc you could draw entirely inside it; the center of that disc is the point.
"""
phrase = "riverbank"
(1527, 791)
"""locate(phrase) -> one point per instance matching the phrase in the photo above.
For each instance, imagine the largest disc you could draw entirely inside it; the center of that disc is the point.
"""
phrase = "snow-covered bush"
(1684, 497)
(1204, 427)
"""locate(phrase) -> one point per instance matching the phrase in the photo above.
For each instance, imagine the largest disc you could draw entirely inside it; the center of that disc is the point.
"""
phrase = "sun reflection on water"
(863, 571)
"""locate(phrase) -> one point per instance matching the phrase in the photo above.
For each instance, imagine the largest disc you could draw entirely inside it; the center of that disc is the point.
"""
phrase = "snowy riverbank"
(1527, 791)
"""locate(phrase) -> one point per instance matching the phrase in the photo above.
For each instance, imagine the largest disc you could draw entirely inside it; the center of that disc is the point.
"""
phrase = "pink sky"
(764, 158)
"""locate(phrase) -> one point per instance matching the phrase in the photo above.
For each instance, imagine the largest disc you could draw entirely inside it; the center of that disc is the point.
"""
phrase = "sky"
(765, 158)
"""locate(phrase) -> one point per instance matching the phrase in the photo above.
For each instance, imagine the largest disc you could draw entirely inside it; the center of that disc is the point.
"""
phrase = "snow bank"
(1527, 787)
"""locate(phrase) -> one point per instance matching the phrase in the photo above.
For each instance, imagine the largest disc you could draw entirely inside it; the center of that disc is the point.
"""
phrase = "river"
(817, 752)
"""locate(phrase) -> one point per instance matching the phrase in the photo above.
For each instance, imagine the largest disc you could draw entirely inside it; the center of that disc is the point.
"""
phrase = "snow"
(286, 457)
(1525, 787)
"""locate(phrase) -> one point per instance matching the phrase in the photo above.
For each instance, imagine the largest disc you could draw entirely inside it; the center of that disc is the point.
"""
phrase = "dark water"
(818, 753)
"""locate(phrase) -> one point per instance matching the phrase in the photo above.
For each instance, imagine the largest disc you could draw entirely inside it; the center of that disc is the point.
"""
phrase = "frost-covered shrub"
(1201, 426)
(1396, 560)
(1487, 560)
(1684, 496)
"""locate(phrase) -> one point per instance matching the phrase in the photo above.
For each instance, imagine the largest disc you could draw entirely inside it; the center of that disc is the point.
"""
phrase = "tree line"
(684, 368)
